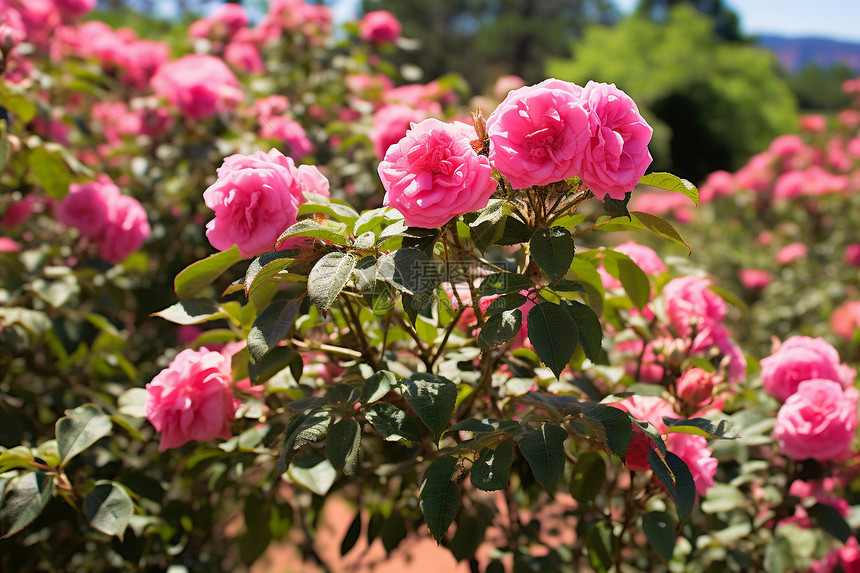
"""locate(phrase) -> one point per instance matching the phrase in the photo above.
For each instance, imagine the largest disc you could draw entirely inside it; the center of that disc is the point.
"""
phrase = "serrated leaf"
(303, 428)
(270, 327)
(729, 297)
(365, 241)
(433, 398)
(504, 283)
(488, 225)
(661, 227)
(616, 425)
(439, 496)
(392, 423)
(588, 326)
(830, 520)
(408, 270)
(602, 545)
(273, 362)
(393, 531)
(328, 277)
(108, 508)
(24, 501)
(552, 249)
(674, 474)
(192, 311)
(491, 470)
(265, 266)
(543, 448)
(633, 279)
(377, 386)
(351, 535)
(617, 207)
(499, 328)
(80, 429)
(554, 335)
(515, 232)
(701, 427)
(587, 478)
(191, 280)
(333, 232)
(342, 445)
(481, 426)
(317, 477)
(132, 402)
(671, 182)
(660, 532)
(505, 302)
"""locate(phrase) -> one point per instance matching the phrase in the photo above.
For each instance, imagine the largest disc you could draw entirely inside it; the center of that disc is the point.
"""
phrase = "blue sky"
(835, 19)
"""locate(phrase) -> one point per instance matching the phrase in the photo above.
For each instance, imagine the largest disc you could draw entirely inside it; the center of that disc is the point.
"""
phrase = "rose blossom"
(852, 255)
(719, 183)
(390, 124)
(616, 156)
(192, 399)
(379, 27)
(245, 56)
(199, 85)
(755, 278)
(505, 84)
(688, 301)
(125, 231)
(538, 133)
(255, 199)
(799, 358)
(695, 386)
(790, 253)
(433, 174)
(87, 205)
(845, 320)
(818, 421)
(645, 258)
(288, 131)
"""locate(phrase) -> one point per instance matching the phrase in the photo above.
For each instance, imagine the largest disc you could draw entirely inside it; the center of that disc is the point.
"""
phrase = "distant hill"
(795, 53)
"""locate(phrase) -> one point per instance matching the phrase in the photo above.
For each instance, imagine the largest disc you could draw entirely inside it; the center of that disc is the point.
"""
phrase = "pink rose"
(379, 27)
(390, 124)
(245, 57)
(790, 253)
(125, 231)
(695, 386)
(288, 131)
(616, 156)
(87, 205)
(8, 245)
(75, 8)
(271, 106)
(661, 202)
(718, 184)
(538, 134)
(649, 409)
(852, 255)
(18, 212)
(818, 421)
(505, 84)
(231, 16)
(200, 86)
(255, 199)
(754, 278)
(312, 180)
(799, 358)
(845, 320)
(192, 399)
(433, 174)
(813, 123)
(689, 303)
(645, 258)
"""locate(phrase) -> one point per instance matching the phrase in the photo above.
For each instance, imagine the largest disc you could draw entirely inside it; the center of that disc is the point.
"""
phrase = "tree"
(712, 103)
(725, 19)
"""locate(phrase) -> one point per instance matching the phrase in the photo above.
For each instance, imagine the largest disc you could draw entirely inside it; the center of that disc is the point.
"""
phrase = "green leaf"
(109, 508)
(192, 311)
(393, 531)
(4, 144)
(197, 276)
(265, 266)
(342, 396)
(50, 171)
(377, 386)
(503, 283)
(433, 398)
(543, 448)
(587, 477)
(408, 270)
(484, 426)
(701, 427)
(317, 477)
(258, 531)
(342, 445)
(602, 545)
(553, 334)
(487, 225)
(722, 497)
(729, 297)
(492, 469)
(303, 428)
(505, 302)
(132, 402)
(671, 182)
(515, 232)
(633, 279)
(24, 502)
(674, 474)
(351, 536)
(320, 204)
(588, 326)
(660, 533)
(778, 556)
(552, 248)
(365, 241)
(332, 232)
(18, 104)
(273, 362)
(500, 328)
(586, 272)
(328, 277)
(80, 429)
(830, 520)
(617, 207)
(616, 426)
(392, 423)
(270, 327)
(661, 227)
(439, 495)
(565, 285)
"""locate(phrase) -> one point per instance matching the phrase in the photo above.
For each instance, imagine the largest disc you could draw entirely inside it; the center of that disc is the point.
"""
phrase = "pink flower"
(271, 106)
(231, 16)
(125, 231)
(649, 409)
(694, 452)
(813, 123)
(689, 303)
(87, 205)
(506, 84)
(645, 258)
(244, 56)
(433, 174)
(718, 184)
(538, 134)
(787, 145)
(790, 253)
(390, 124)
(288, 131)
(192, 399)
(695, 386)
(799, 358)
(845, 320)
(852, 255)
(617, 155)
(75, 8)
(255, 199)
(757, 174)
(8, 245)
(379, 27)
(754, 278)
(310, 179)
(818, 421)
(18, 212)
(200, 86)
(661, 202)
